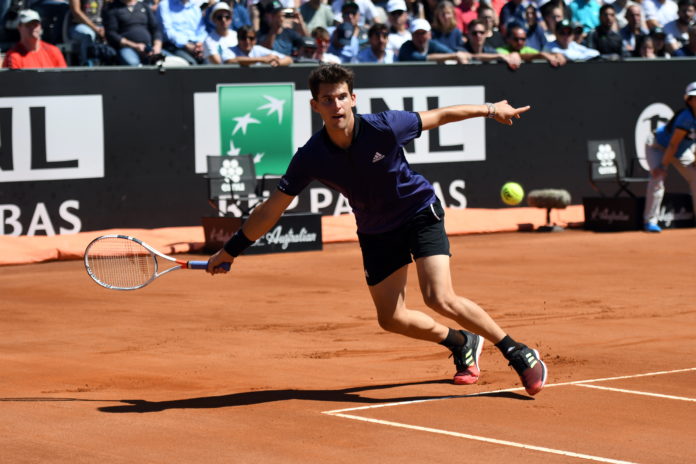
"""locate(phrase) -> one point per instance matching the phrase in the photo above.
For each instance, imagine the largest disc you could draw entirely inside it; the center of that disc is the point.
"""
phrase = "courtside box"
(603, 214)
(292, 232)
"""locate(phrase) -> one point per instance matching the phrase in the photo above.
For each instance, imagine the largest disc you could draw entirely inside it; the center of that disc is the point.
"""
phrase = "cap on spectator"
(565, 24)
(219, 6)
(690, 90)
(309, 42)
(396, 5)
(420, 25)
(352, 6)
(27, 16)
(274, 6)
(657, 31)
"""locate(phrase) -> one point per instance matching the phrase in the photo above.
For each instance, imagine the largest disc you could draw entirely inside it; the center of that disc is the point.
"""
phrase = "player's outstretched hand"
(504, 113)
(216, 260)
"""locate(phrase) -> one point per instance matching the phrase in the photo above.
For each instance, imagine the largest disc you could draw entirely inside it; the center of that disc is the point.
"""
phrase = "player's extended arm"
(671, 150)
(503, 113)
(259, 222)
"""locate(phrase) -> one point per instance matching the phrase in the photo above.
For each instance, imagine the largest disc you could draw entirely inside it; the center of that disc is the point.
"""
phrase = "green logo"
(257, 120)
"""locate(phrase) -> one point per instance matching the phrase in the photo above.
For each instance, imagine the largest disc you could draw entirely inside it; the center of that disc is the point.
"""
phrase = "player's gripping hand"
(504, 113)
(216, 260)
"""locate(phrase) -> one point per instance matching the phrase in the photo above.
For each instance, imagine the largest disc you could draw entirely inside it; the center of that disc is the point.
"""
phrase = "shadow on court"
(347, 395)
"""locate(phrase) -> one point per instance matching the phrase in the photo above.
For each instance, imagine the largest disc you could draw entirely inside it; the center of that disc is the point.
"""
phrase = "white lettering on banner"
(609, 216)
(456, 142)
(51, 138)
(11, 215)
(667, 217)
(277, 237)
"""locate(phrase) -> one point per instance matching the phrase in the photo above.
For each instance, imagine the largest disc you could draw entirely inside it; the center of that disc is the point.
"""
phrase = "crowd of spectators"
(282, 32)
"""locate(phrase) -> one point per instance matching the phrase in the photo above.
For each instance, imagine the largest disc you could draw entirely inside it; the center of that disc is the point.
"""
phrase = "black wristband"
(237, 244)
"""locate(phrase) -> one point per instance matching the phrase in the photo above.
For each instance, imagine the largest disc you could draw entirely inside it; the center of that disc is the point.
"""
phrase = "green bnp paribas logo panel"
(257, 120)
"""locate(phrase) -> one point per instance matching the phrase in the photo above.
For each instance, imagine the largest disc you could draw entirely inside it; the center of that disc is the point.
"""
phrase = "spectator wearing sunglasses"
(565, 45)
(377, 51)
(479, 50)
(217, 46)
(323, 39)
(238, 10)
(248, 53)
(517, 44)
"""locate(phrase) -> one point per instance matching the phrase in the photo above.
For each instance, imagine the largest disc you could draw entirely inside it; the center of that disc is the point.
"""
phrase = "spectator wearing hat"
(377, 51)
(444, 26)
(397, 16)
(31, 51)
(248, 53)
(633, 30)
(659, 38)
(677, 31)
(516, 44)
(565, 45)
(660, 12)
(323, 39)
(421, 47)
(604, 38)
(239, 15)
(132, 30)
(316, 13)
(218, 44)
(369, 14)
(348, 37)
(477, 48)
(183, 29)
(690, 48)
(286, 29)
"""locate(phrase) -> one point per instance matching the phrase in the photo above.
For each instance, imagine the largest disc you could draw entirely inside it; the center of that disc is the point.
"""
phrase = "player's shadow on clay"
(347, 395)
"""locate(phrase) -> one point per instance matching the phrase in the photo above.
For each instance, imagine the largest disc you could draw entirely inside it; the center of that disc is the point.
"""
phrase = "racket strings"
(120, 263)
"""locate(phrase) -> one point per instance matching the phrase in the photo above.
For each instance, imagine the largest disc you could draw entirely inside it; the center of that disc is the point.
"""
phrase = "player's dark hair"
(329, 74)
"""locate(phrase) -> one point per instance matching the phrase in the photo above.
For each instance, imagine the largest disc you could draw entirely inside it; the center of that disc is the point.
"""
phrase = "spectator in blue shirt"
(445, 28)
(240, 16)
(377, 51)
(183, 29)
(565, 45)
(422, 48)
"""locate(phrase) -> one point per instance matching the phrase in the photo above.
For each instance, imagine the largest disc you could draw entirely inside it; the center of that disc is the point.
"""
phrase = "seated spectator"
(348, 37)
(690, 48)
(183, 29)
(677, 31)
(132, 30)
(659, 12)
(218, 44)
(465, 12)
(316, 13)
(307, 52)
(397, 16)
(87, 31)
(536, 32)
(621, 7)
(31, 51)
(633, 30)
(490, 18)
(645, 48)
(565, 45)
(422, 48)
(477, 48)
(247, 53)
(552, 13)
(283, 34)
(238, 10)
(377, 51)
(516, 44)
(322, 37)
(660, 42)
(604, 38)
(444, 27)
(369, 14)
(585, 12)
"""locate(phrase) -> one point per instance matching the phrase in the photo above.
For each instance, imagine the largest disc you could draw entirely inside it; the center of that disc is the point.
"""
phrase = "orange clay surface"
(244, 367)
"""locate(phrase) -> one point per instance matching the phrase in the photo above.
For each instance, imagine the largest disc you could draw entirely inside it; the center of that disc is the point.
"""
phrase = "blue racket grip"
(204, 265)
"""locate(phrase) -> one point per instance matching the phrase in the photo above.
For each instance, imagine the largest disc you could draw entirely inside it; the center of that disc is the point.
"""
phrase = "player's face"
(334, 104)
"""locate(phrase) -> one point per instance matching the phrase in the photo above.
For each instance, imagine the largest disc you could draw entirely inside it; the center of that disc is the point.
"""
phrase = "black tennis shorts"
(423, 235)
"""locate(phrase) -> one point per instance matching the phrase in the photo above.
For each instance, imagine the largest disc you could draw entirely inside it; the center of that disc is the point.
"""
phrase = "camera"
(288, 13)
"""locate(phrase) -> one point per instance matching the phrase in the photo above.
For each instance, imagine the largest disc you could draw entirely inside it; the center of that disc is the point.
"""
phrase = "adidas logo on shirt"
(378, 156)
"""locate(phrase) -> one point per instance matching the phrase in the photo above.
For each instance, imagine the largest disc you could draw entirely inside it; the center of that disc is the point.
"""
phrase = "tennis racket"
(121, 262)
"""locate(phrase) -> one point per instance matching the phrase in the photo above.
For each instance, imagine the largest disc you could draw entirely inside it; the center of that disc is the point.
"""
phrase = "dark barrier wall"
(131, 134)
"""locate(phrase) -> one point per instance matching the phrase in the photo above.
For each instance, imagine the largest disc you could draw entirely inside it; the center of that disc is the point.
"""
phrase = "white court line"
(484, 439)
(636, 392)
(580, 383)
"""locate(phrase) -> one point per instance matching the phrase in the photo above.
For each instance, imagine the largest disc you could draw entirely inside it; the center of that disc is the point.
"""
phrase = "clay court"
(282, 360)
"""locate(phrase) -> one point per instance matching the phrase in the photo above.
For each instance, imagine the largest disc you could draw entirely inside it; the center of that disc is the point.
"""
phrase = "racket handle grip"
(204, 265)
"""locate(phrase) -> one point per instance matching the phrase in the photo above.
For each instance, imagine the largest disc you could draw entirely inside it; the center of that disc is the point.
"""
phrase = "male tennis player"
(398, 217)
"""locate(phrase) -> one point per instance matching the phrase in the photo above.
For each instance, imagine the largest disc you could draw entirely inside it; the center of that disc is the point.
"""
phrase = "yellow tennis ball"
(512, 193)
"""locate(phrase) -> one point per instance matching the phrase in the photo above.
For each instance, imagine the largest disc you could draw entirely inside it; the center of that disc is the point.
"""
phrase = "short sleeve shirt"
(373, 174)
(686, 121)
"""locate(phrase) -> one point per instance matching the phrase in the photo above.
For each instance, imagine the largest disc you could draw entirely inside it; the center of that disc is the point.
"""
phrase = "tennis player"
(399, 219)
